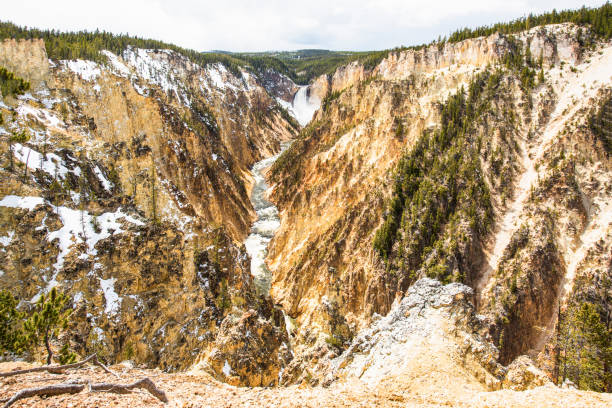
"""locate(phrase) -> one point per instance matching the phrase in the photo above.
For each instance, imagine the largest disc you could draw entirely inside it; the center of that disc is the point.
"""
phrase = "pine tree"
(585, 349)
(595, 353)
(11, 84)
(16, 137)
(66, 356)
(11, 334)
(49, 318)
(153, 194)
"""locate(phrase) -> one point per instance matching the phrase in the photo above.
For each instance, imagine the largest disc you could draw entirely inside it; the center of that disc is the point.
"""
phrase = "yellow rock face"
(332, 186)
(140, 209)
(146, 202)
(26, 58)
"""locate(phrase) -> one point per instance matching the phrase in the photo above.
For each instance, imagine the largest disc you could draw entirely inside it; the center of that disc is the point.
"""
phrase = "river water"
(302, 108)
(265, 226)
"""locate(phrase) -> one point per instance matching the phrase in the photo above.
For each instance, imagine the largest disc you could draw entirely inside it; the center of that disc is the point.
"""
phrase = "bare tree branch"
(98, 363)
(144, 383)
(58, 369)
(55, 369)
(48, 390)
(58, 389)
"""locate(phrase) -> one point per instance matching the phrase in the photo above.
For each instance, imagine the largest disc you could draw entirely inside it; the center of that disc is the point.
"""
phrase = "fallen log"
(48, 391)
(144, 383)
(57, 369)
(59, 389)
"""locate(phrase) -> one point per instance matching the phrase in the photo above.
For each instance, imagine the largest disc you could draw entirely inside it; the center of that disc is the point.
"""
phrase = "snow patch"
(152, 66)
(28, 203)
(50, 102)
(227, 370)
(117, 67)
(87, 70)
(50, 163)
(290, 325)
(42, 115)
(6, 241)
(80, 226)
(77, 298)
(113, 301)
(217, 74)
(108, 186)
(280, 374)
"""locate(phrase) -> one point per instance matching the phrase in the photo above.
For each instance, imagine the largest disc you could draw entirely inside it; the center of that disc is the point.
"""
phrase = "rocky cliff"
(132, 195)
(431, 349)
(474, 212)
(460, 190)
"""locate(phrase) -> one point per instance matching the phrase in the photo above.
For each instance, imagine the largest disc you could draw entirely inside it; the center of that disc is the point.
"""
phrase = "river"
(265, 226)
(302, 108)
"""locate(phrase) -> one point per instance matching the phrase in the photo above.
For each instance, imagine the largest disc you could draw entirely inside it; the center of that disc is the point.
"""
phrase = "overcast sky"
(243, 25)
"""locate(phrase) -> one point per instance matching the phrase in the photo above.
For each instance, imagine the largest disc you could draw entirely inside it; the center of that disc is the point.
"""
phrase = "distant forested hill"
(302, 65)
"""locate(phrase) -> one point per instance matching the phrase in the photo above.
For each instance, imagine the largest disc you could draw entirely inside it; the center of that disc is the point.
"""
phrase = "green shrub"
(205, 115)
(438, 189)
(11, 332)
(600, 123)
(48, 320)
(329, 98)
(12, 85)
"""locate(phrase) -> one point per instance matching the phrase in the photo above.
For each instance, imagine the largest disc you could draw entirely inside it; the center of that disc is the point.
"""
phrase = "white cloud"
(245, 25)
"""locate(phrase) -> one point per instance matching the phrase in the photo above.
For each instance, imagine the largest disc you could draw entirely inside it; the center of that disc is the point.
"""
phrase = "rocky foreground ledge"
(433, 321)
(201, 390)
(430, 350)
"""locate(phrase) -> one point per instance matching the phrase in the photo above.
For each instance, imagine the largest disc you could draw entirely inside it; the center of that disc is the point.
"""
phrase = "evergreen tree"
(153, 194)
(585, 348)
(11, 84)
(66, 356)
(49, 318)
(601, 124)
(16, 137)
(11, 334)
(438, 183)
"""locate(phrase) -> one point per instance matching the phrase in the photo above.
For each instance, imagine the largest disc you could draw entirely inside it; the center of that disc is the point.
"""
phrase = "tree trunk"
(47, 391)
(11, 165)
(25, 171)
(48, 346)
(59, 389)
(57, 369)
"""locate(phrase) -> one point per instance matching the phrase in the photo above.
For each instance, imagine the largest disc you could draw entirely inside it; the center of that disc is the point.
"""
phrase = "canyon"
(246, 240)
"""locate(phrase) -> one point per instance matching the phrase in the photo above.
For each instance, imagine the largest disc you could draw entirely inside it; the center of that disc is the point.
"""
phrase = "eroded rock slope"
(471, 162)
(131, 194)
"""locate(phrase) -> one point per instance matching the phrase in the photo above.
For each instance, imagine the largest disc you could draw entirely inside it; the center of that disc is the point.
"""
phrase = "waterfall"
(304, 106)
